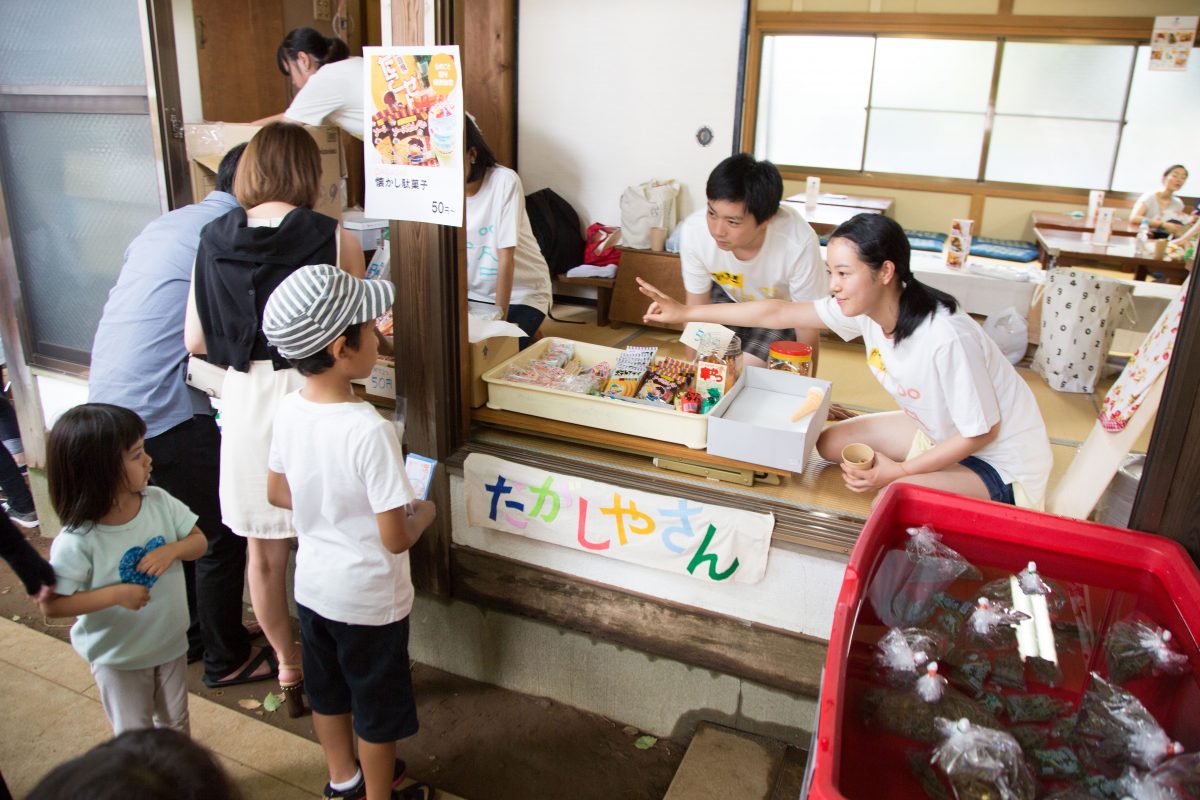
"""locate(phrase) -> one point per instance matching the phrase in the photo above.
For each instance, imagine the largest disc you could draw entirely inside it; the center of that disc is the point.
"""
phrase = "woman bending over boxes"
(968, 423)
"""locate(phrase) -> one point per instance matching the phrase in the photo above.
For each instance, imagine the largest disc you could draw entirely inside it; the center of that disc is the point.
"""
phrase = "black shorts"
(360, 670)
(755, 341)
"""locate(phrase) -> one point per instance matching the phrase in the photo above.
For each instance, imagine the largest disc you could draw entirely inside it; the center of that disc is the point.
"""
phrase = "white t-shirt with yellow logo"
(950, 378)
(788, 267)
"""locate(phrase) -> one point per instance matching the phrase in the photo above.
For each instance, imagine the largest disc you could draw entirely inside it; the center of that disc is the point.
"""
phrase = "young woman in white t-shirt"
(505, 266)
(968, 423)
(329, 83)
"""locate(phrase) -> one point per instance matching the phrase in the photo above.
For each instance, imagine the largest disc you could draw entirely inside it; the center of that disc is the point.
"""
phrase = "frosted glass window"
(1054, 152)
(86, 185)
(1160, 128)
(1084, 81)
(949, 144)
(813, 99)
(71, 43)
(933, 74)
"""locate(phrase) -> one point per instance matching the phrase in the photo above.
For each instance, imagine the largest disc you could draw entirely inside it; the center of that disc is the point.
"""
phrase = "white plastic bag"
(645, 206)
(1010, 331)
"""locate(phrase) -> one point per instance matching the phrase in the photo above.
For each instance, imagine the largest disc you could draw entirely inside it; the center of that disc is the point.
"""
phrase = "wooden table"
(825, 218)
(1052, 220)
(1070, 248)
(880, 205)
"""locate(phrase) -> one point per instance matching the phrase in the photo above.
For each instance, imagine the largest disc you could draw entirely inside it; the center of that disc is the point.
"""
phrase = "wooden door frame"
(1168, 497)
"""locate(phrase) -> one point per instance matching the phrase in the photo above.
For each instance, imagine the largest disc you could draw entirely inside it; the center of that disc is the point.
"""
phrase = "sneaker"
(26, 519)
(359, 790)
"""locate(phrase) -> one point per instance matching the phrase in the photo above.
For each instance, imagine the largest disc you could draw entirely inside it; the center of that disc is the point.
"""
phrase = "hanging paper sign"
(711, 543)
(1171, 43)
(414, 147)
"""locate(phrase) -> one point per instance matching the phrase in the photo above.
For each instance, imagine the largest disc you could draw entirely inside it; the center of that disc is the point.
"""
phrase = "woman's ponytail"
(319, 47)
(918, 302)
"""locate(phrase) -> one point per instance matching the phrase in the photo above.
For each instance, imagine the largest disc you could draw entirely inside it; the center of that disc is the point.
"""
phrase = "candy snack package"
(628, 372)
(665, 379)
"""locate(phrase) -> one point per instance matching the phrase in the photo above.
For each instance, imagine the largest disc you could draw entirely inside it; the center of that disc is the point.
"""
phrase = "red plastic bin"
(1154, 571)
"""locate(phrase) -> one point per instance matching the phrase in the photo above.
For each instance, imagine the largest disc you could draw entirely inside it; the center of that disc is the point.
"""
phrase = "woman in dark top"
(242, 257)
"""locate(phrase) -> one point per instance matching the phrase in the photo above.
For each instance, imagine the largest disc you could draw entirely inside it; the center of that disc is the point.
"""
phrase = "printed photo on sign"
(414, 159)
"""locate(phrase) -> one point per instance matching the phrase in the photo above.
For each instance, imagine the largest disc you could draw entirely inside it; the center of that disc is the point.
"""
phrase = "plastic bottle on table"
(1143, 238)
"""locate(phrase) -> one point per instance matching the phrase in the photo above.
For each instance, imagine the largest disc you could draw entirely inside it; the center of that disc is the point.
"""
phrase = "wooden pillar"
(1168, 498)
(430, 329)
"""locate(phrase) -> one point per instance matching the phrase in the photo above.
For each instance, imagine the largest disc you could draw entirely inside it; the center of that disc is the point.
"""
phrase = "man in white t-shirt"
(747, 246)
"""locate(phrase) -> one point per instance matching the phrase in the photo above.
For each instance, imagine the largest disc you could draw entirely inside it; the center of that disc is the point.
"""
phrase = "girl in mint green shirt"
(116, 565)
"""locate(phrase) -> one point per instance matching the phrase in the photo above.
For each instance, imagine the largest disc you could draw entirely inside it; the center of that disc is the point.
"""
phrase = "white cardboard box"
(753, 422)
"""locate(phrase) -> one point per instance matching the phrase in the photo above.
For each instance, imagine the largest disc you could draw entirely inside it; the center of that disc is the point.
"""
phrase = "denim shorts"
(360, 670)
(998, 490)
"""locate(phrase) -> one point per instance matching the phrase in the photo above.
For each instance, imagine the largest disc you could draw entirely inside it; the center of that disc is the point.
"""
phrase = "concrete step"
(722, 762)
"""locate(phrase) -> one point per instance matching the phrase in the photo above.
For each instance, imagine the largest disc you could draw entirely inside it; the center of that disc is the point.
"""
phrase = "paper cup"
(658, 239)
(859, 456)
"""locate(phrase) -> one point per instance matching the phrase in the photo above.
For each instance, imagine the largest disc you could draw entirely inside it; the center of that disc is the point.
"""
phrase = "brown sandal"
(293, 692)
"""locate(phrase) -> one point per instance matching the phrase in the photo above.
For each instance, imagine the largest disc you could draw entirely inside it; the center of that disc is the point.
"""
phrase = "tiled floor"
(52, 713)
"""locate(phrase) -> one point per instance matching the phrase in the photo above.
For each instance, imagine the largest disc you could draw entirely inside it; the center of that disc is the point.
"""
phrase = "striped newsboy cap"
(315, 305)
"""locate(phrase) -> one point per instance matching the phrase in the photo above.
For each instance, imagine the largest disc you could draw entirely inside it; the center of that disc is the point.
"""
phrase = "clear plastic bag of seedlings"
(1176, 778)
(1134, 649)
(904, 652)
(1029, 583)
(903, 589)
(982, 762)
(1114, 726)
(993, 623)
(911, 712)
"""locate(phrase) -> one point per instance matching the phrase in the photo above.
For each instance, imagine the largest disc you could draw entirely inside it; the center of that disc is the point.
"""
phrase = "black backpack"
(556, 228)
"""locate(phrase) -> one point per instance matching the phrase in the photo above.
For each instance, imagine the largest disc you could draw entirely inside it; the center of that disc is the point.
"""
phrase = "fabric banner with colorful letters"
(709, 542)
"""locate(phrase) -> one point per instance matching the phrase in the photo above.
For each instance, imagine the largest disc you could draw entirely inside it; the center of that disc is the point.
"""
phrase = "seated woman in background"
(1163, 208)
(504, 264)
(968, 423)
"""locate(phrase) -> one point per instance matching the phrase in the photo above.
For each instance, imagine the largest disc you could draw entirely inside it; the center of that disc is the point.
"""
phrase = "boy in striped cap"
(338, 465)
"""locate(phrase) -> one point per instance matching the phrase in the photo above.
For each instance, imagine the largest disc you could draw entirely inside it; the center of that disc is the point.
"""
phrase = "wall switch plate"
(322, 10)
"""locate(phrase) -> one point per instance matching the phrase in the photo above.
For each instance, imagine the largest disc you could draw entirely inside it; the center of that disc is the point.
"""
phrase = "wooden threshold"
(759, 653)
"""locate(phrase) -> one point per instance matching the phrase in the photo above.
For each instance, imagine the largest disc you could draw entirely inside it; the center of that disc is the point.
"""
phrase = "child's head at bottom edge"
(151, 764)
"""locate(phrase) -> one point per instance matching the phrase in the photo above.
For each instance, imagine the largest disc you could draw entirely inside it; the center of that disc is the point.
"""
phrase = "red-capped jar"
(791, 357)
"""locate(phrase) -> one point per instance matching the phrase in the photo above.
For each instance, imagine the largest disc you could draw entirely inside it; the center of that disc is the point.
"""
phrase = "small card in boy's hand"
(420, 472)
